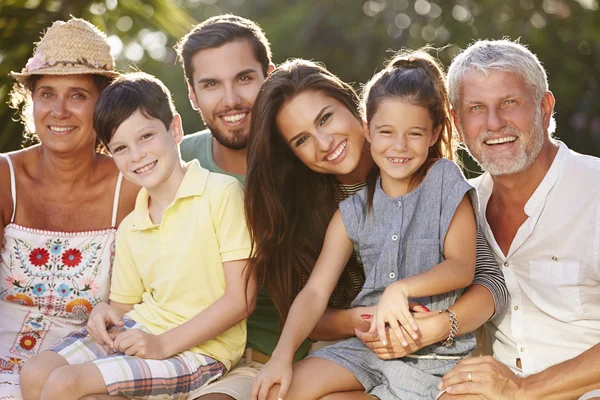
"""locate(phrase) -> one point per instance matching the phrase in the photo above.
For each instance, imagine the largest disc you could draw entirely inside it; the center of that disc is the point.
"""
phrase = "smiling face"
(499, 121)
(145, 151)
(226, 81)
(400, 134)
(63, 107)
(322, 133)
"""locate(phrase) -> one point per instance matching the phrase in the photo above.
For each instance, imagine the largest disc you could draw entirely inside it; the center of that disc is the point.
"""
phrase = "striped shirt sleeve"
(489, 275)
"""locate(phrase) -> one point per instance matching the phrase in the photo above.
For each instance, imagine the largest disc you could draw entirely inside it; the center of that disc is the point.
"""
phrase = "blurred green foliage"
(352, 38)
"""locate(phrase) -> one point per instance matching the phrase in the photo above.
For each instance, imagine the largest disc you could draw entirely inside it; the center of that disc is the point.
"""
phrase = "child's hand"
(275, 371)
(138, 343)
(101, 316)
(393, 308)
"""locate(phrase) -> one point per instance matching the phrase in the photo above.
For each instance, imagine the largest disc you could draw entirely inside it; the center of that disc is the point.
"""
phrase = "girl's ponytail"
(418, 78)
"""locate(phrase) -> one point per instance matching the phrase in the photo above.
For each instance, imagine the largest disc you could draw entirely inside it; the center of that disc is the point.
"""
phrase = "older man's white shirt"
(552, 268)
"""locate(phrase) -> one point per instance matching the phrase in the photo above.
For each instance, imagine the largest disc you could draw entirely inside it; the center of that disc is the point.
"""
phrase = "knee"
(31, 380)
(60, 382)
(291, 395)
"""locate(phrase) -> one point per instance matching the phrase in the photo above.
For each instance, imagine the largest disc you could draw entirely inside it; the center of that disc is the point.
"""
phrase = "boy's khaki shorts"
(237, 383)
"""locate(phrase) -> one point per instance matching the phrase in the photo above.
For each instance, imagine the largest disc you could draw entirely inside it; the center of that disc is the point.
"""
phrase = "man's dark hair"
(220, 30)
(126, 95)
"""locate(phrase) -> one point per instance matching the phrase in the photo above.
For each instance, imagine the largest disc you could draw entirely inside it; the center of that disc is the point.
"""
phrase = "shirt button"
(399, 203)
(505, 264)
(554, 258)
(392, 275)
(516, 308)
(522, 349)
(394, 237)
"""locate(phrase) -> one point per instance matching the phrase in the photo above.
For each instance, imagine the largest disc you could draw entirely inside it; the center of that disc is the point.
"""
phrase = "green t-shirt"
(263, 324)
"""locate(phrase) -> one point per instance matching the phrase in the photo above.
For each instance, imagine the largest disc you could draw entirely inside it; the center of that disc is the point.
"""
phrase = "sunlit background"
(351, 37)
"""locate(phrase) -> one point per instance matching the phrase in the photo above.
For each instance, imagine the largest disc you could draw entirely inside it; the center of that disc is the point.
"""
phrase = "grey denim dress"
(398, 238)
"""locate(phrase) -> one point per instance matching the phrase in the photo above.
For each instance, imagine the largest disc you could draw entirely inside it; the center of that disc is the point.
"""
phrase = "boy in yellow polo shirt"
(176, 320)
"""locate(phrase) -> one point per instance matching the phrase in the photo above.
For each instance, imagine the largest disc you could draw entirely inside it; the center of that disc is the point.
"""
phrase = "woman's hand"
(276, 371)
(432, 326)
(393, 308)
(103, 315)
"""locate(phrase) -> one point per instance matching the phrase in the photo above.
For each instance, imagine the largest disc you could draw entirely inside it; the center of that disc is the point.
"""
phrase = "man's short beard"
(236, 140)
(513, 165)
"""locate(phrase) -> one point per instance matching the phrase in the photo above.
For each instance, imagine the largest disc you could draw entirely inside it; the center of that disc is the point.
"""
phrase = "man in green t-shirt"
(225, 60)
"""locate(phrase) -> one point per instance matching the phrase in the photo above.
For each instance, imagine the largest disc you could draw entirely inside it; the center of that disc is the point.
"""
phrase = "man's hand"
(103, 315)
(136, 342)
(483, 376)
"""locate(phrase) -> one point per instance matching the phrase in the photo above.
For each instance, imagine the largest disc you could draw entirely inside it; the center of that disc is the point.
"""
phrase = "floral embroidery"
(81, 308)
(71, 258)
(55, 274)
(21, 299)
(59, 276)
(27, 342)
(10, 364)
(63, 290)
(38, 257)
(88, 283)
(15, 279)
(56, 248)
(39, 289)
(30, 336)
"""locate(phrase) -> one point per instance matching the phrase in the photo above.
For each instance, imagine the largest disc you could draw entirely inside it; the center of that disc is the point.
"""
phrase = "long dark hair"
(418, 78)
(288, 205)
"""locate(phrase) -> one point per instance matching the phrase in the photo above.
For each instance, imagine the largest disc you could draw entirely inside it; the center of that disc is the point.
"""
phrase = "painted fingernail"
(365, 316)
(426, 309)
(415, 336)
(384, 342)
(404, 344)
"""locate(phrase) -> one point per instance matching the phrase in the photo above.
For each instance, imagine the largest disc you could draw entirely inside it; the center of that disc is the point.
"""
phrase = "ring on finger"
(470, 377)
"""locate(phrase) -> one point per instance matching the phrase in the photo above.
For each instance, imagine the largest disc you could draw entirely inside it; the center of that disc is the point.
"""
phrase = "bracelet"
(453, 328)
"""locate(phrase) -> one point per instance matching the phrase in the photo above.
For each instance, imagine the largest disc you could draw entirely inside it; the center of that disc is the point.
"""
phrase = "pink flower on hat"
(35, 62)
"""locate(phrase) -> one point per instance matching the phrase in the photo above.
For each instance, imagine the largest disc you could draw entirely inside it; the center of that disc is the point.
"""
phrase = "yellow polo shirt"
(174, 270)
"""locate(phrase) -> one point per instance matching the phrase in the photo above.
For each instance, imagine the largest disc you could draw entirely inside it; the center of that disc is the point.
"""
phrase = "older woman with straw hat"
(60, 200)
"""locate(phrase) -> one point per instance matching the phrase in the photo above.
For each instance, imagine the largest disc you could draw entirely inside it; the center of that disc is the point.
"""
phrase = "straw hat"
(70, 48)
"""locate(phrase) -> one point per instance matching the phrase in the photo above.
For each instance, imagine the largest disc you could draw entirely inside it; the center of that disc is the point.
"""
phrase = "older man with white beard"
(540, 211)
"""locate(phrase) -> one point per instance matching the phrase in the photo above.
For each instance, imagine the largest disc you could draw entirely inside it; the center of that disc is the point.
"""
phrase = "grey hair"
(503, 55)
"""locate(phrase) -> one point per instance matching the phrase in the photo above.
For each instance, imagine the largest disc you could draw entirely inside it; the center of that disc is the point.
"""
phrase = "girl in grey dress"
(415, 231)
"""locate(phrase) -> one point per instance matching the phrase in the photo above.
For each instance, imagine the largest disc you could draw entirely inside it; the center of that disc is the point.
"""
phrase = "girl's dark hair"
(20, 99)
(418, 78)
(288, 205)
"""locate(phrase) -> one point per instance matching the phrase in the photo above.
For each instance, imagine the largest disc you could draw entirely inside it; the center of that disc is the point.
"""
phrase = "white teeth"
(398, 160)
(234, 118)
(61, 128)
(145, 168)
(501, 140)
(338, 152)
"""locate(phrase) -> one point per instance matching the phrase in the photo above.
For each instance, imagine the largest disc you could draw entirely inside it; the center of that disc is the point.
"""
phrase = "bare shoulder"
(6, 205)
(21, 160)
